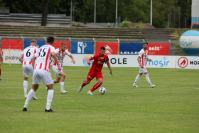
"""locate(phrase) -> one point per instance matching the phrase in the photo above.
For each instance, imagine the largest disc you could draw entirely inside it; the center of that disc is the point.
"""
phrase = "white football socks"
(31, 93)
(148, 79)
(25, 87)
(137, 78)
(61, 86)
(49, 98)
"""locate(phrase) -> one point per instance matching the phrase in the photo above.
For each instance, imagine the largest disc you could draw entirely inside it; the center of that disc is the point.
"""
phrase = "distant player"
(96, 70)
(27, 65)
(41, 73)
(60, 75)
(1, 60)
(142, 61)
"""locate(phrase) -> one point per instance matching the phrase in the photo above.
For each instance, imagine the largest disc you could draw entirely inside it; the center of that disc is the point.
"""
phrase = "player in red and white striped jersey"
(41, 73)
(60, 75)
(142, 61)
(25, 58)
(1, 60)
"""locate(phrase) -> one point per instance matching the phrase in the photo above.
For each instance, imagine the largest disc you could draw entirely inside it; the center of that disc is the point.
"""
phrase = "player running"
(60, 75)
(27, 65)
(1, 60)
(96, 70)
(142, 61)
(41, 73)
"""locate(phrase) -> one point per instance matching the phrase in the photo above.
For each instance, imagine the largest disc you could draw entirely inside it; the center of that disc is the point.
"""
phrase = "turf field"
(171, 107)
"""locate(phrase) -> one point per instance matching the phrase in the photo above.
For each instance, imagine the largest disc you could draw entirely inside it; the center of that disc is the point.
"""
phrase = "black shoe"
(50, 110)
(24, 109)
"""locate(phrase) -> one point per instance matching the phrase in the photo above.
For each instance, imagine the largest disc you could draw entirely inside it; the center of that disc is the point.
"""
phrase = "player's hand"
(88, 62)
(59, 67)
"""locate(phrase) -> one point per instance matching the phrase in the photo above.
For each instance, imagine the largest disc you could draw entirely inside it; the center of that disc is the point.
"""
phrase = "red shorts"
(94, 74)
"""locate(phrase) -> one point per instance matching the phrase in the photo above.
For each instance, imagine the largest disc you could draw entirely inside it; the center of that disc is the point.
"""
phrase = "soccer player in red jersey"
(1, 60)
(96, 70)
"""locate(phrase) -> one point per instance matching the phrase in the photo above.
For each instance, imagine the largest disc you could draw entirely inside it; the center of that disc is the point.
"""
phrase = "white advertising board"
(11, 56)
(126, 61)
(187, 62)
(183, 62)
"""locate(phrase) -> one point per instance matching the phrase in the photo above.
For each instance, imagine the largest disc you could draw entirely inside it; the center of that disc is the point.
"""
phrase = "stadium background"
(170, 107)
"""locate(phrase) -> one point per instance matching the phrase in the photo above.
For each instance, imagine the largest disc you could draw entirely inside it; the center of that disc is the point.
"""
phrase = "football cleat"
(80, 89)
(24, 109)
(89, 93)
(63, 91)
(134, 85)
(48, 110)
(152, 86)
(34, 98)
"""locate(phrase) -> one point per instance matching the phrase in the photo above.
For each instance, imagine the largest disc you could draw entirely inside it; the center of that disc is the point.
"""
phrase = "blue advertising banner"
(130, 48)
(82, 46)
(39, 42)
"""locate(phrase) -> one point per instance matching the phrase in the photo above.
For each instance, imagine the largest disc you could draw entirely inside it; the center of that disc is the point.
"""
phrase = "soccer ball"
(102, 90)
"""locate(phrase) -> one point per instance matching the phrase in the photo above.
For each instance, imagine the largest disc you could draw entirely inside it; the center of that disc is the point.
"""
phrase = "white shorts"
(56, 71)
(27, 70)
(143, 70)
(42, 76)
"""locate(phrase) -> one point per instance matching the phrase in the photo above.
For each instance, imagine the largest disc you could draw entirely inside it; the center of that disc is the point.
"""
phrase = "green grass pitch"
(171, 107)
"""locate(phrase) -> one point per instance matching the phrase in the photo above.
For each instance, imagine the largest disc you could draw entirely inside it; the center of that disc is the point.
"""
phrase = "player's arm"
(90, 59)
(33, 61)
(56, 62)
(21, 58)
(35, 55)
(109, 66)
(148, 59)
(139, 60)
(72, 58)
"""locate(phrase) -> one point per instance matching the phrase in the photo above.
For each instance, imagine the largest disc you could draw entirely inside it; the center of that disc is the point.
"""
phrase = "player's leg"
(57, 80)
(137, 78)
(62, 88)
(48, 81)
(25, 86)
(25, 81)
(35, 84)
(99, 82)
(89, 77)
(58, 75)
(49, 98)
(30, 95)
(27, 70)
(146, 74)
(85, 82)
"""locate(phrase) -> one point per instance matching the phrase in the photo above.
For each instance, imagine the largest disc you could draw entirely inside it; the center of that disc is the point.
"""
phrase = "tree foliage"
(172, 13)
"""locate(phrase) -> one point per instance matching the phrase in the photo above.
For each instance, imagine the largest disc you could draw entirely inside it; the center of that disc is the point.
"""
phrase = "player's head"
(102, 50)
(33, 42)
(50, 40)
(63, 46)
(145, 46)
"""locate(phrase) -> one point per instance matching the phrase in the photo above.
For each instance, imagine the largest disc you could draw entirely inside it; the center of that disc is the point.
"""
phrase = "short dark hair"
(102, 48)
(33, 40)
(50, 39)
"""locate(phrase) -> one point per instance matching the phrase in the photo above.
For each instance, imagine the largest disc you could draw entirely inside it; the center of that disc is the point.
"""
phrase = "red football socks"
(97, 85)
